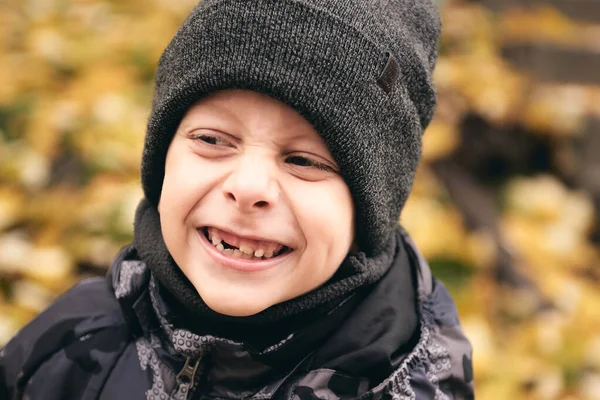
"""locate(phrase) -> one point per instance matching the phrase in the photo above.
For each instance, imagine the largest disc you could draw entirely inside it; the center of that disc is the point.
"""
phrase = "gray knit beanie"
(358, 70)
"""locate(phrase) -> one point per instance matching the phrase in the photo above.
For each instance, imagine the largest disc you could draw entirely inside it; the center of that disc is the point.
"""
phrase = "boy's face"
(253, 208)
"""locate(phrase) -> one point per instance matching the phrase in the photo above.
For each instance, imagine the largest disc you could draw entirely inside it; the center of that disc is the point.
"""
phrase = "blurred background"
(506, 206)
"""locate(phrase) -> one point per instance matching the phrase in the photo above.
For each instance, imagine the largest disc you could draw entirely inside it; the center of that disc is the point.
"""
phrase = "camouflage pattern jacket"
(110, 339)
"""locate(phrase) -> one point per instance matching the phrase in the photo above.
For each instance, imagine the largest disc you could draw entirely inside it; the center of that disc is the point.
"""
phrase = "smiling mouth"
(243, 248)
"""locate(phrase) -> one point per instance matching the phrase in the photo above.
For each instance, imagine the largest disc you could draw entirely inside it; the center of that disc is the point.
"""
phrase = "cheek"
(175, 189)
(325, 213)
(186, 181)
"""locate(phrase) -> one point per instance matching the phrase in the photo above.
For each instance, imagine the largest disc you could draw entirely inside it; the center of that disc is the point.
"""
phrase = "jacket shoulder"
(85, 314)
(440, 365)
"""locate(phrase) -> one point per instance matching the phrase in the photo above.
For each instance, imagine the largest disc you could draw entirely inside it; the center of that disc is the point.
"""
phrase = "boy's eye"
(211, 139)
(306, 162)
(300, 161)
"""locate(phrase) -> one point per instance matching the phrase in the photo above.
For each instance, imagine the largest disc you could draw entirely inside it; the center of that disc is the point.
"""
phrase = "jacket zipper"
(185, 377)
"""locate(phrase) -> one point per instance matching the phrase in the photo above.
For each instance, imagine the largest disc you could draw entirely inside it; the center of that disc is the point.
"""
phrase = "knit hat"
(358, 70)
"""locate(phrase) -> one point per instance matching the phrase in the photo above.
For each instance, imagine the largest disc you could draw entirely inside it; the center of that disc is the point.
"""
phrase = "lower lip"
(238, 263)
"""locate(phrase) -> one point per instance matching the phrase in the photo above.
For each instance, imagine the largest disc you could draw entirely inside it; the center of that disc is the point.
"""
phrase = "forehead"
(251, 112)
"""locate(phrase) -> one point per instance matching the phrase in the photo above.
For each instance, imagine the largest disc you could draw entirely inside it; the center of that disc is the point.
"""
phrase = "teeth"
(237, 253)
(260, 253)
(246, 249)
(214, 237)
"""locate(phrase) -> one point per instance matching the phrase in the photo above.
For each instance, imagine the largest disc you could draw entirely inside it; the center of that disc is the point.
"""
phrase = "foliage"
(76, 92)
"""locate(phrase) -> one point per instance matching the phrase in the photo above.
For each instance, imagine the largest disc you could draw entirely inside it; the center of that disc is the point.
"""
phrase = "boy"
(267, 261)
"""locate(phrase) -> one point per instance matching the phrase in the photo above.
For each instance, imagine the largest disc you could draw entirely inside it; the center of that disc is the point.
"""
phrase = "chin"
(234, 307)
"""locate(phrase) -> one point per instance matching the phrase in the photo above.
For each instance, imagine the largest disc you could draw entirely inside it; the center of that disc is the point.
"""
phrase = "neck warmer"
(355, 276)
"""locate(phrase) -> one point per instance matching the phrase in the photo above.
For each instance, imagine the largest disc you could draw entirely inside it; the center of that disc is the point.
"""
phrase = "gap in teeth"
(244, 252)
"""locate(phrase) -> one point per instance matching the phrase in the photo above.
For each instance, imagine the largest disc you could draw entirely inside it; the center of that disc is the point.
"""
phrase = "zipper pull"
(186, 376)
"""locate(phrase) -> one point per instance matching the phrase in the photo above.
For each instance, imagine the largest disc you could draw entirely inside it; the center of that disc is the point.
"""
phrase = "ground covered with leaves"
(504, 206)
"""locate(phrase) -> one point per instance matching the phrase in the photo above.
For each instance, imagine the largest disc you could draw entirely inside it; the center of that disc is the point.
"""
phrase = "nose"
(252, 185)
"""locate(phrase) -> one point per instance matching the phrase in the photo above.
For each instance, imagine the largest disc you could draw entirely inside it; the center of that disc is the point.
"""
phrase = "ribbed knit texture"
(323, 58)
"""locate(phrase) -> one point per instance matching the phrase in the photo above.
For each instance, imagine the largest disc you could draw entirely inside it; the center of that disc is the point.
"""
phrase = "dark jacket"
(111, 339)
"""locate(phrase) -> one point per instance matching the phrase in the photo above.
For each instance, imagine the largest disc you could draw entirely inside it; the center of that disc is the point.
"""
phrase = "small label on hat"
(390, 74)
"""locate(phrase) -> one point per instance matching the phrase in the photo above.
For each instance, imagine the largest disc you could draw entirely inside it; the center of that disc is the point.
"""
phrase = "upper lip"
(243, 235)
